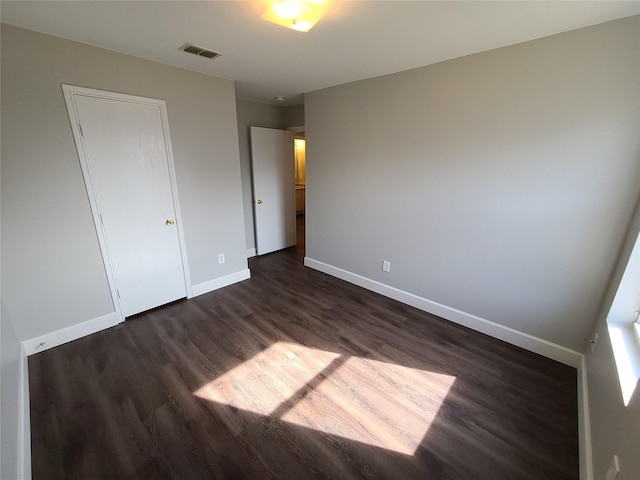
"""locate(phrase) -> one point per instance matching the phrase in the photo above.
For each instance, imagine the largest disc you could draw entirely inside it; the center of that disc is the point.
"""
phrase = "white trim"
(251, 252)
(220, 282)
(24, 418)
(176, 199)
(32, 346)
(68, 334)
(70, 92)
(514, 337)
(584, 423)
(524, 340)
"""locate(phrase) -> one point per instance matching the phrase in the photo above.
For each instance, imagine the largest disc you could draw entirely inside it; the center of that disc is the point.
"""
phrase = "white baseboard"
(524, 340)
(24, 419)
(217, 283)
(64, 335)
(251, 252)
(36, 345)
(584, 423)
(507, 334)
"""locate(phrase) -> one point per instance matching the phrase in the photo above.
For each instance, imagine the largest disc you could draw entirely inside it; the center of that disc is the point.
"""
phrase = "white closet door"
(273, 167)
(126, 158)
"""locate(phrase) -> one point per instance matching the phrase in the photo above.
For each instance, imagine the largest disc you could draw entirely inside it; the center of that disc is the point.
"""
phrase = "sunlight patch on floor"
(381, 404)
(261, 384)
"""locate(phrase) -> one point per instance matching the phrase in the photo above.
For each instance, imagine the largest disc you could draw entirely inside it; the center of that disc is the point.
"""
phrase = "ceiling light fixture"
(298, 15)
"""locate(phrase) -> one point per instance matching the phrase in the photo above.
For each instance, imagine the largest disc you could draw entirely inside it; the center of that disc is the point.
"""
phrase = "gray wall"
(9, 401)
(294, 116)
(614, 427)
(52, 272)
(257, 115)
(500, 184)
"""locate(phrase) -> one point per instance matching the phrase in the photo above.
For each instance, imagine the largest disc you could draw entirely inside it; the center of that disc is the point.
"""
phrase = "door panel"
(126, 154)
(273, 167)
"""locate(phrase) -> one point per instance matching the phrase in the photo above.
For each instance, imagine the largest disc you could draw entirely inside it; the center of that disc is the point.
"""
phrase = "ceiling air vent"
(203, 52)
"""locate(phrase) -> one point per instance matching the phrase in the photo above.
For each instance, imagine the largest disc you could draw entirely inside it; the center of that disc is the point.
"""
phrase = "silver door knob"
(259, 202)
(169, 221)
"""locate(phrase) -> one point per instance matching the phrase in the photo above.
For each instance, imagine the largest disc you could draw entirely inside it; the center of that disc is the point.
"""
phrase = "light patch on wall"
(625, 348)
(378, 403)
(622, 324)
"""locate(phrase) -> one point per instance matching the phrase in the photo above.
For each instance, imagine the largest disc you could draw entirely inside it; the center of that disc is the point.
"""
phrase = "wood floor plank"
(293, 375)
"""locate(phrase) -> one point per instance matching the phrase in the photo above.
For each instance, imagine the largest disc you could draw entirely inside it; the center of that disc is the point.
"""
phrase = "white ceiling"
(355, 40)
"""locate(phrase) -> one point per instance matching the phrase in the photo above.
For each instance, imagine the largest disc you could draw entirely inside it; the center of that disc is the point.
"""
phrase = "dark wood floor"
(294, 375)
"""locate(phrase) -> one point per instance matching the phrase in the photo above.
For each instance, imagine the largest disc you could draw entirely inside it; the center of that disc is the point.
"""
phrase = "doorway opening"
(299, 147)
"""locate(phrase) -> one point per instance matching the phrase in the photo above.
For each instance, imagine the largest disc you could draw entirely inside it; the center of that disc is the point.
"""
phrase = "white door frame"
(70, 93)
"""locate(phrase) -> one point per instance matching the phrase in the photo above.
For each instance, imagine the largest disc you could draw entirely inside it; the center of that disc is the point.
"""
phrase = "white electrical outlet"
(386, 266)
(613, 473)
(221, 258)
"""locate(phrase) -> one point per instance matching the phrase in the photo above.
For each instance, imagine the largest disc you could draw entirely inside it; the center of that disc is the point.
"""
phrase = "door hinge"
(101, 221)
(118, 292)
(80, 127)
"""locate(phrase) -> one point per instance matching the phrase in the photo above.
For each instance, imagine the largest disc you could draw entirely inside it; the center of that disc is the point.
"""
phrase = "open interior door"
(273, 166)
